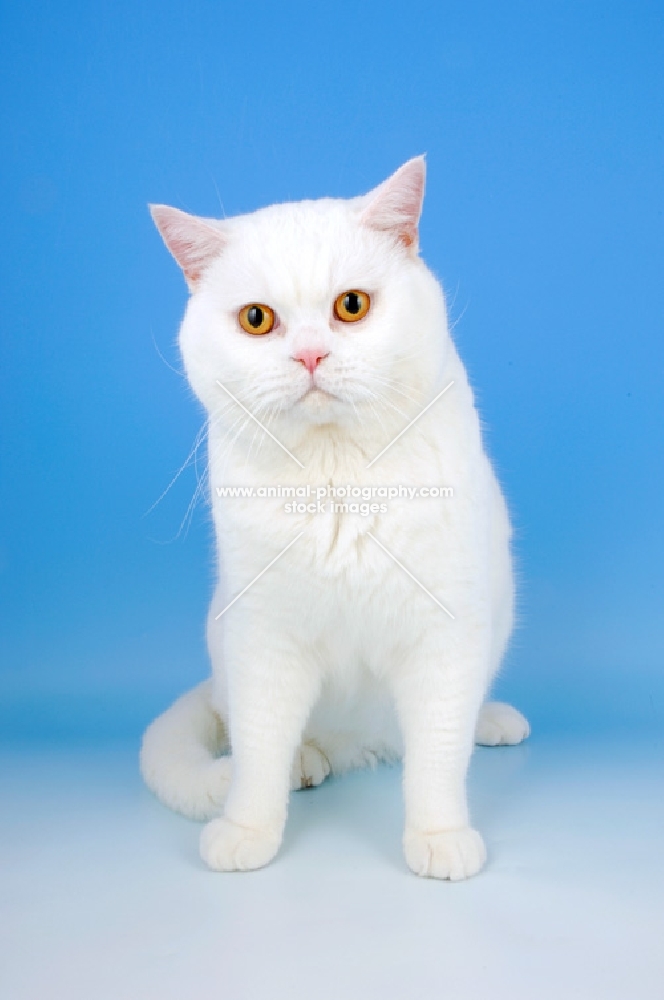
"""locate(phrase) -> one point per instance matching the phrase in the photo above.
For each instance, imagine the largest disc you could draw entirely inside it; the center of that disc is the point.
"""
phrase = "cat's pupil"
(352, 303)
(255, 317)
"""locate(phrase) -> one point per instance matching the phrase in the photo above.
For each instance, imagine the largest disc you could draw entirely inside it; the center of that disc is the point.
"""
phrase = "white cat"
(317, 340)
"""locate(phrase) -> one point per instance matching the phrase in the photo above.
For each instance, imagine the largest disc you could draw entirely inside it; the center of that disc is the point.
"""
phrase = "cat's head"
(315, 312)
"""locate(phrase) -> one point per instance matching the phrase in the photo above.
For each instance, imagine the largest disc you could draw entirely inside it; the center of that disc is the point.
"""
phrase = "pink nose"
(310, 358)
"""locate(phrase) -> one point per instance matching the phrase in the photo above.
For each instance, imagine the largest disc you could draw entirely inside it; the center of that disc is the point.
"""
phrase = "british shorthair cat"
(365, 594)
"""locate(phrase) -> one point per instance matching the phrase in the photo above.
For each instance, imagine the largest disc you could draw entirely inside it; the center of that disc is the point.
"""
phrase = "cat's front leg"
(438, 692)
(271, 689)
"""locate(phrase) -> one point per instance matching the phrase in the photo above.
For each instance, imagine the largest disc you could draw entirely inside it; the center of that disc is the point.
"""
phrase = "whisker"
(167, 363)
(188, 460)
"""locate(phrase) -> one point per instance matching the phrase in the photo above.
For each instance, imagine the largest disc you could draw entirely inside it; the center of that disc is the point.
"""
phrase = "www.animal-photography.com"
(332, 656)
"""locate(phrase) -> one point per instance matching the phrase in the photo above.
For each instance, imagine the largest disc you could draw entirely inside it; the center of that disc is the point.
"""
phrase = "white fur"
(335, 658)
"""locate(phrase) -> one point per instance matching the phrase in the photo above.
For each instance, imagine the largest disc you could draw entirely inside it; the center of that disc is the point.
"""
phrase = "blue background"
(543, 219)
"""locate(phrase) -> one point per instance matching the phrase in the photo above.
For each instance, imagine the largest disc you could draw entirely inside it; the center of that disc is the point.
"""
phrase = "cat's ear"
(193, 242)
(395, 205)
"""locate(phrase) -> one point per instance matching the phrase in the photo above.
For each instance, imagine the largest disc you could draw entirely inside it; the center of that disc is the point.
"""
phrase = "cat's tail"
(180, 759)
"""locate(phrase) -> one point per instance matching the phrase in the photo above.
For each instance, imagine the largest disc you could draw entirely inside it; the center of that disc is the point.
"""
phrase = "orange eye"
(256, 319)
(352, 306)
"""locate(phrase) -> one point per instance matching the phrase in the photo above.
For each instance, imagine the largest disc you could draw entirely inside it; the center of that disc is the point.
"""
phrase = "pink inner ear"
(396, 204)
(194, 242)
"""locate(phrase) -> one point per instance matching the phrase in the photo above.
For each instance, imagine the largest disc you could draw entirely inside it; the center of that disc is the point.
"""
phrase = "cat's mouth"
(316, 392)
(319, 404)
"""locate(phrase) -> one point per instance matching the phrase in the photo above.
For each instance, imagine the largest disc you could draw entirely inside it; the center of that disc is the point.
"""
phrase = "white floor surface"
(103, 896)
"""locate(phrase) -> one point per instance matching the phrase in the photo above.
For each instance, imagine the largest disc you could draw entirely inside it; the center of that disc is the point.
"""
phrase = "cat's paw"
(451, 854)
(227, 847)
(310, 767)
(499, 724)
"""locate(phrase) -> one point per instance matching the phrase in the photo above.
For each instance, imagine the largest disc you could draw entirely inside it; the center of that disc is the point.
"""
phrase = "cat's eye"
(256, 318)
(351, 306)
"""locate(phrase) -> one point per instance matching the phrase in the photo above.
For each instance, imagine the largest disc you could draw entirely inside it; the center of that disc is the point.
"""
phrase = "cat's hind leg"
(499, 724)
(338, 754)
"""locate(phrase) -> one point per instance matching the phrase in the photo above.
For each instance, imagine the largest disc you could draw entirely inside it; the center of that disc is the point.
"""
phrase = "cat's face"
(317, 312)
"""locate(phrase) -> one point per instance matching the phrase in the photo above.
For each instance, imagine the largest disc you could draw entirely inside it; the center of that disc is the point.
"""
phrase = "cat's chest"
(333, 521)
